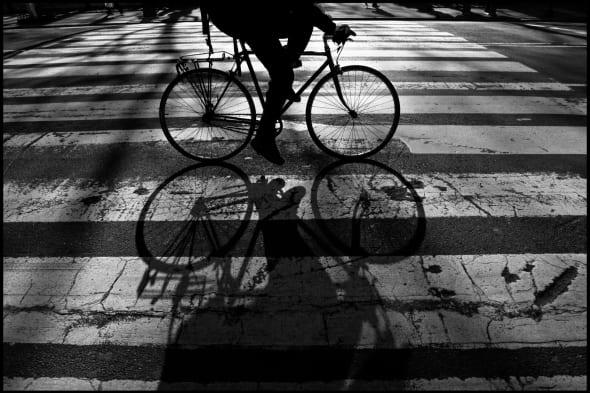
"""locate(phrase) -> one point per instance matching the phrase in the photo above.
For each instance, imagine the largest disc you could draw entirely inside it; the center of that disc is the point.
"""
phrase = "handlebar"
(339, 49)
(327, 36)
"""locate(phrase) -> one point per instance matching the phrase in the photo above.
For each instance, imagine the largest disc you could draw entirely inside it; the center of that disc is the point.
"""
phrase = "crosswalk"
(454, 259)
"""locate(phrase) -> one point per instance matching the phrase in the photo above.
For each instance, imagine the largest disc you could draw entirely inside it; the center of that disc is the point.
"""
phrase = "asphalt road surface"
(465, 270)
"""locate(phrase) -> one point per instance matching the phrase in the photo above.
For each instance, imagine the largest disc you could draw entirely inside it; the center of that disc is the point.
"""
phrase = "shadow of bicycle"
(273, 280)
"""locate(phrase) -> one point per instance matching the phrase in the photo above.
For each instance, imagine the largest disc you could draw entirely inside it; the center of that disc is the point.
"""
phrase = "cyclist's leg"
(298, 32)
(271, 54)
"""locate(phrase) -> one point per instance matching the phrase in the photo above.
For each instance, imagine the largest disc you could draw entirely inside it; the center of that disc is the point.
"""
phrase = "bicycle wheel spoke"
(335, 101)
(368, 95)
(233, 119)
(368, 102)
(181, 102)
(199, 89)
(377, 138)
(232, 108)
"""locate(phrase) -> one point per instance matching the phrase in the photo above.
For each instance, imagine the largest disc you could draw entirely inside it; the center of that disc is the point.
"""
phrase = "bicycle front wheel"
(207, 115)
(368, 123)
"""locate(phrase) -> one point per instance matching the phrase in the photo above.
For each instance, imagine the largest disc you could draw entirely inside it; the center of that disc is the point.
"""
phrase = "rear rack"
(193, 61)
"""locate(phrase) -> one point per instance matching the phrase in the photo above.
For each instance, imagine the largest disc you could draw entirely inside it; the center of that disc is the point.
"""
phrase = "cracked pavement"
(456, 292)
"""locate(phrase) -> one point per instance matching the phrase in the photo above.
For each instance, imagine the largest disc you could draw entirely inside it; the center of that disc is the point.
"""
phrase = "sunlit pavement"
(466, 268)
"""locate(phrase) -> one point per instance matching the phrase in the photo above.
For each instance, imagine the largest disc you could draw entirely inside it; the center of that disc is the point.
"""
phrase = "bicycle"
(209, 115)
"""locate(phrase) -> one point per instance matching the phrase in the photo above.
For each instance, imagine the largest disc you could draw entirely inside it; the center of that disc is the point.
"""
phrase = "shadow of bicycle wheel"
(366, 208)
(197, 213)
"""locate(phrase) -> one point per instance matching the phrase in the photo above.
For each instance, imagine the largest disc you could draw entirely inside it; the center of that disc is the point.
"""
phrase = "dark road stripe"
(349, 59)
(427, 236)
(92, 63)
(394, 76)
(107, 163)
(147, 51)
(402, 92)
(498, 119)
(290, 365)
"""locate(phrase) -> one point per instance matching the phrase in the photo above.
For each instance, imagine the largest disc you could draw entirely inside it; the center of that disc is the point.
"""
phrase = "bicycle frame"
(244, 55)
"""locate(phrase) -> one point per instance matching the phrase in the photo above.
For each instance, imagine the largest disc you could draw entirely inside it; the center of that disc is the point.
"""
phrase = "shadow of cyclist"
(287, 291)
(278, 220)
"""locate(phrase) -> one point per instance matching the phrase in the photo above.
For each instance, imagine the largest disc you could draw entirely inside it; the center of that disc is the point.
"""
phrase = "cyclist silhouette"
(261, 25)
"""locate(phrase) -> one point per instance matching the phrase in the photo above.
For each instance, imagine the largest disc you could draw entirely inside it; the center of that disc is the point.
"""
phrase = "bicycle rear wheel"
(207, 115)
(371, 121)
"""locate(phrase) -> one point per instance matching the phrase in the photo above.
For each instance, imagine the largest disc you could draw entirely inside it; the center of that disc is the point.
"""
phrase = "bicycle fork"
(335, 70)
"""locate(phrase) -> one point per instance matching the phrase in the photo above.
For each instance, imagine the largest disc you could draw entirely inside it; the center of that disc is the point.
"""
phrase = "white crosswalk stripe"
(498, 195)
(408, 65)
(89, 110)
(352, 54)
(396, 272)
(559, 382)
(419, 138)
(157, 89)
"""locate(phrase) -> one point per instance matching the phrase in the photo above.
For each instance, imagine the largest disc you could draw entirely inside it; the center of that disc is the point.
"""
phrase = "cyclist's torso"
(233, 19)
(243, 19)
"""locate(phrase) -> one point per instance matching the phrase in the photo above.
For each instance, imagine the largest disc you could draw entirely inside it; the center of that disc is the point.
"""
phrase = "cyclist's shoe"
(268, 149)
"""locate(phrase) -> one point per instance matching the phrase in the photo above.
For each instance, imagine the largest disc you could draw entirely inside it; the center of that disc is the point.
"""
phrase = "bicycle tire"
(392, 222)
(170, 218)
(363, 138)
(207, 136)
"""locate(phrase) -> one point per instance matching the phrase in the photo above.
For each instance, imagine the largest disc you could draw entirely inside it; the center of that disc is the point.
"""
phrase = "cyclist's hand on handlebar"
(342, 33)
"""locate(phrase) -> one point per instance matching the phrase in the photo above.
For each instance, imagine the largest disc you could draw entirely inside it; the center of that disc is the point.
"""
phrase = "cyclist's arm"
(339, 33)
(317, 16)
